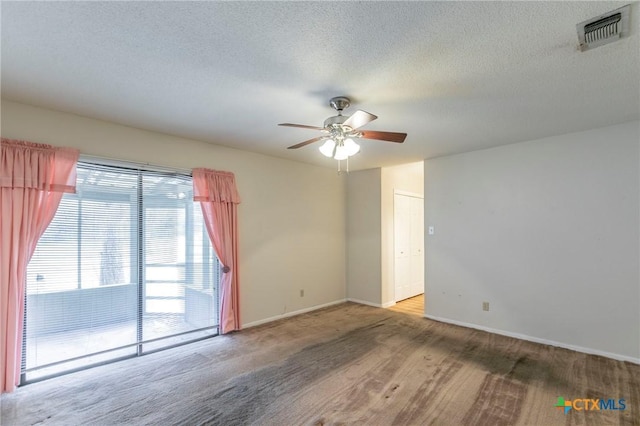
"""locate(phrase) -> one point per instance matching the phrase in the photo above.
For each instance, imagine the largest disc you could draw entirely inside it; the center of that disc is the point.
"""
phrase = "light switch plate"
(432, 230)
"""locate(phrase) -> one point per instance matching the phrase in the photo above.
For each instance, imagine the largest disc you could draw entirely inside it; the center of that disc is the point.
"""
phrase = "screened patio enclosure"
(125, 268)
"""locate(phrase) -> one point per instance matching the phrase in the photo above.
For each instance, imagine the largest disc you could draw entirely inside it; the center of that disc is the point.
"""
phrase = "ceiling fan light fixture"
(342, 130)
(351, 147)
(341, 153)
(328, 148)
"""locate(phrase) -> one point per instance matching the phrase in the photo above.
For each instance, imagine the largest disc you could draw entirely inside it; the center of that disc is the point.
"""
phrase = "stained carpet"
(348, 364)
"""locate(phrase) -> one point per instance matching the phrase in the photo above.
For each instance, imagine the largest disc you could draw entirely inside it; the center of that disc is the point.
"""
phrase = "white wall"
(363, 236)
(547, 231)
(292, 216)
(406, 178)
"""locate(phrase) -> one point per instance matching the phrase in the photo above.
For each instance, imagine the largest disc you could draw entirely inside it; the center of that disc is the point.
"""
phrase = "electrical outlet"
(485, 306)
(301, 293)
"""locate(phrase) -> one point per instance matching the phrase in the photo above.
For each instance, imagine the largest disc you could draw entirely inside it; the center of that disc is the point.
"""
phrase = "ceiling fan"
(340, 130)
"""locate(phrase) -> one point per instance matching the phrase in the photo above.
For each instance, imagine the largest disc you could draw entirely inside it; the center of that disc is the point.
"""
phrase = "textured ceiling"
(455, 76)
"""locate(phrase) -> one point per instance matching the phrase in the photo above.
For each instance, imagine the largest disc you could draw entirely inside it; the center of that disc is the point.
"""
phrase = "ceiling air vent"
(603, 29)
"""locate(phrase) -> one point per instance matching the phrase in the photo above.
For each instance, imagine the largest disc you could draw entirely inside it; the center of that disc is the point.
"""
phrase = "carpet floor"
(347, 364)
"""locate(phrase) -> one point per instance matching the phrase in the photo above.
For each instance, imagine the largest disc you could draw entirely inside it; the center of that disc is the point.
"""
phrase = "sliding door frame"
(137, 239)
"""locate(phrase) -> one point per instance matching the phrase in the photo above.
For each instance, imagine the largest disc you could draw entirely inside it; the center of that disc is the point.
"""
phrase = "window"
(125, 268)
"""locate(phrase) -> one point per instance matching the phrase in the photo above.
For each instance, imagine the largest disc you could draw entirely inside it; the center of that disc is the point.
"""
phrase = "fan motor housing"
(336, 120)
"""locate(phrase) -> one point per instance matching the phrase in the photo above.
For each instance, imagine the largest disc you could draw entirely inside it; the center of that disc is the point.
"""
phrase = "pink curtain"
(218, 196)
(33, 178)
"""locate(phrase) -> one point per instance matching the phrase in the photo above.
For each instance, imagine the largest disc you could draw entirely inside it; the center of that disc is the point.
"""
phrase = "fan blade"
(302, 126)
(301, 144)
(384, 136)
(359, 119)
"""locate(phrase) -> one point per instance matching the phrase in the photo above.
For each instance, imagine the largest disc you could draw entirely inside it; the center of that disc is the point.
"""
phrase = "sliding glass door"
(125, 268)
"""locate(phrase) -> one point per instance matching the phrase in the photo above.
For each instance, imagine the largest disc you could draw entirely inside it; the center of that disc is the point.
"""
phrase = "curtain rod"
(108, 161)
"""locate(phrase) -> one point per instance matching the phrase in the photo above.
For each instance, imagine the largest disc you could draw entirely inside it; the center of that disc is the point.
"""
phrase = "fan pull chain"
(340, 166)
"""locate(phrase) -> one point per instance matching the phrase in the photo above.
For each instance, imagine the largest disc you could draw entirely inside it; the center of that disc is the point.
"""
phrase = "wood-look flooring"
(411, 306)
(347, 364)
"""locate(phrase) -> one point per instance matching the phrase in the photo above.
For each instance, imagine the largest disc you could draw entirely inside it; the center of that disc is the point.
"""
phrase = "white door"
(408, 246)
(402, 246)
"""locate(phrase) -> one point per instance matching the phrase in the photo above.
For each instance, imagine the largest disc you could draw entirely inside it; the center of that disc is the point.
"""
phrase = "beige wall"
(547, 232)
(292, 216)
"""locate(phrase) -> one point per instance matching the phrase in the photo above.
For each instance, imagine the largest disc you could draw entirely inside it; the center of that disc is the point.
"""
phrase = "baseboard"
(375, 305)
(292, 313)
(537, 340)
(364, 302)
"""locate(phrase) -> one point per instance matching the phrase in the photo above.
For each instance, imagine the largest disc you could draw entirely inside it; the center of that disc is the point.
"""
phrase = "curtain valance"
(215, 186)
(37, 166)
